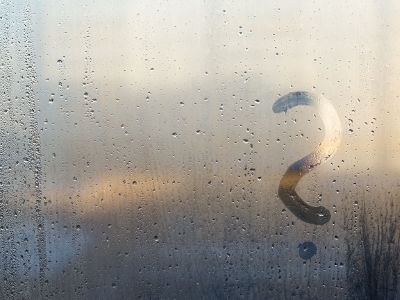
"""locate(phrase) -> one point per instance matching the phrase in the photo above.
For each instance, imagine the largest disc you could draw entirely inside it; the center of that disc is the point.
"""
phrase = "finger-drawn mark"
(325, 150)
(307, 250)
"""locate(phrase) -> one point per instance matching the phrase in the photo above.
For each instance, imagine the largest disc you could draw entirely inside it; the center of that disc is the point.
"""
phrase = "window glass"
(199, 149)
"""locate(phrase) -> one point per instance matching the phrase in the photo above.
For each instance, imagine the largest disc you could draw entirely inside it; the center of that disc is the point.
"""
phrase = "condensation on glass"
(199, 150)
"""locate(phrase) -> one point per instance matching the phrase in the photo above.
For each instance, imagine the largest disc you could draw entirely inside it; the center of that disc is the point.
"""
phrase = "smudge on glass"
(325, 150)
(307, 250)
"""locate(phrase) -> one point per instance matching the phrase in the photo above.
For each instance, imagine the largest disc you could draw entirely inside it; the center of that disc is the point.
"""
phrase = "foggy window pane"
(199, 150)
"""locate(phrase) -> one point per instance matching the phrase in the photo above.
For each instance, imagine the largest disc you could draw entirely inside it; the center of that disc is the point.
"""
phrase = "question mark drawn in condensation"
(325, 150)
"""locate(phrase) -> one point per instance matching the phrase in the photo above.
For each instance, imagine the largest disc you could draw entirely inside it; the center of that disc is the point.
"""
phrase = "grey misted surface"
(141, 157)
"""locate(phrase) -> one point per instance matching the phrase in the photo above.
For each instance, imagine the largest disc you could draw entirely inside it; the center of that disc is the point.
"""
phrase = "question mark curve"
(324, 151)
